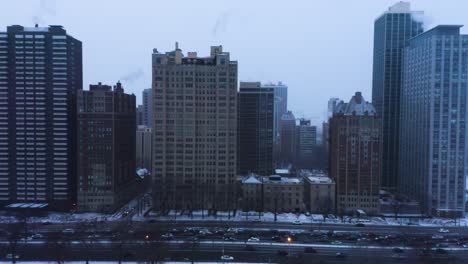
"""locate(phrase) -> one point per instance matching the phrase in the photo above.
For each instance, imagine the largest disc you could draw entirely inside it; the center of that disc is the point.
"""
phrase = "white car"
(437, 237)
(443, 230)
(227, 257)
(68, 231)
(297, 222)
(37, 236)
(253, 239)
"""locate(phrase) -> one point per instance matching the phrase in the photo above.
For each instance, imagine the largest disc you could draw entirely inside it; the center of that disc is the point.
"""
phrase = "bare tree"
(396, 207)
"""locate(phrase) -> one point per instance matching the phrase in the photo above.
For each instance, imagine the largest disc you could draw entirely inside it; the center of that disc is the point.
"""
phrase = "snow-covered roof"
(356, 106)
(319, 179)
(251, 179)
(282, 171)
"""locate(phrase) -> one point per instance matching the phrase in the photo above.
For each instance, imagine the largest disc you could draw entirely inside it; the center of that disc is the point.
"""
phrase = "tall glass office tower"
(391, 31)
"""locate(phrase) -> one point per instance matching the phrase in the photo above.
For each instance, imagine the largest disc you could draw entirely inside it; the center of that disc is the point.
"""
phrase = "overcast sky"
(320, 49)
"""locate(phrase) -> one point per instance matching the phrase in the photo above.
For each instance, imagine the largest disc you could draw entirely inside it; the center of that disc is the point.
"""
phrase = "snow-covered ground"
(243, 216)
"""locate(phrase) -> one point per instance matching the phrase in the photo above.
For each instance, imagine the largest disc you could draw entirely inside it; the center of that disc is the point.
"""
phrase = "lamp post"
(289, 245)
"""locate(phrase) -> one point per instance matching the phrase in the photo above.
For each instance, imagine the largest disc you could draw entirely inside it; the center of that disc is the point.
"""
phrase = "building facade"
(40, 74)
(433, 145)
(391, 32)
(355, 156)
(319, 193)
(147, 98)
(272, 194)
(255, 129)
(288, 138)
(280, 106)
(306, 142)
(139, 115)
(106, 148)
(144, 147)
(194, 130)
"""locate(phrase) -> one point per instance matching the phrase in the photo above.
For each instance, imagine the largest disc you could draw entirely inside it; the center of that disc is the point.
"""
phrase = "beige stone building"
(273, 193)
(319, 193)
(195, 130)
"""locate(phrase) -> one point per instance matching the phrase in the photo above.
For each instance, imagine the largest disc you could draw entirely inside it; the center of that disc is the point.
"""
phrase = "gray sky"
(320, 49)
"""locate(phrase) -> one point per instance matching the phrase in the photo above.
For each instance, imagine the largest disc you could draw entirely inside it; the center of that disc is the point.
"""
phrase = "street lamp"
(289, 239)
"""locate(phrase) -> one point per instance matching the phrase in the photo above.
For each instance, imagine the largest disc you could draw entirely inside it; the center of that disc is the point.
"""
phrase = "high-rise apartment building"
(147, 98)
(288, 138)
(391, 32)
(280, 106)
(355, 155)
(306, 142)
(106, 148)
(433, 120)
(144, 147)
(40, 74)
(194, 130)
(255, 129)
(139, 115)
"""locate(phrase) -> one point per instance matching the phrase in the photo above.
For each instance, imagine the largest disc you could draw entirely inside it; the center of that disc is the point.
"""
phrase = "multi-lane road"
(207, 241)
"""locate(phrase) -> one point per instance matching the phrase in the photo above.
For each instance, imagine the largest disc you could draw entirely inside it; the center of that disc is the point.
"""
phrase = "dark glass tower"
(255, 145)
(40, 74)
(391, 32)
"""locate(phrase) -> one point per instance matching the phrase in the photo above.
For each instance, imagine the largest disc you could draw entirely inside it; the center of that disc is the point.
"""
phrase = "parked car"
(297, 222)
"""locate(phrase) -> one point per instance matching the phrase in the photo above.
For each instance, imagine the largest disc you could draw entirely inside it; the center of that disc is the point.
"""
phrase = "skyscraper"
(106, 148)
(139, 115)
(147, 96)
(332, 103)
(255, 129)
(195, 130)
(40, 74)
(391, 32)
(355, 155)
(144, 147)
(280, 107)
(433, 120)
(306, 141)
(288, 138)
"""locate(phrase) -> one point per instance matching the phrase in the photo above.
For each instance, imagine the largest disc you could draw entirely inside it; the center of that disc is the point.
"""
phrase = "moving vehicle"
(68, 231)
(341, 255)
(227, 257)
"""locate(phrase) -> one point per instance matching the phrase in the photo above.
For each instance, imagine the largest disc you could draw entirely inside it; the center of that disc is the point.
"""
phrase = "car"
(443, 230)
(37, 236)
(297, 222)
(229, 238)
(310, 250)
(336, 242)
(68, 231)
(46, 223)
(282, 253)
(12, 256)
(256, 220)
(152, 221)
(398, 256)
(437, 237)
(360, 225)
(276, 238)
(442, 245)
(465, 245)
(167, 235)
(227, 257)
(440, 251)
(253, 239)
(307, 213)
(249, 248)
(341, 255)
(397, 250)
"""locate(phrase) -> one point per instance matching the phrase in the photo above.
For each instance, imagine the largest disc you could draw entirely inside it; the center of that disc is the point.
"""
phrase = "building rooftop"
(251, 179)
(319, 179)
(356, 106)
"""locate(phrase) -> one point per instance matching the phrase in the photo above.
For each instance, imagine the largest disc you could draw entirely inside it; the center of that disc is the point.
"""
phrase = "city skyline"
(224, 24)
